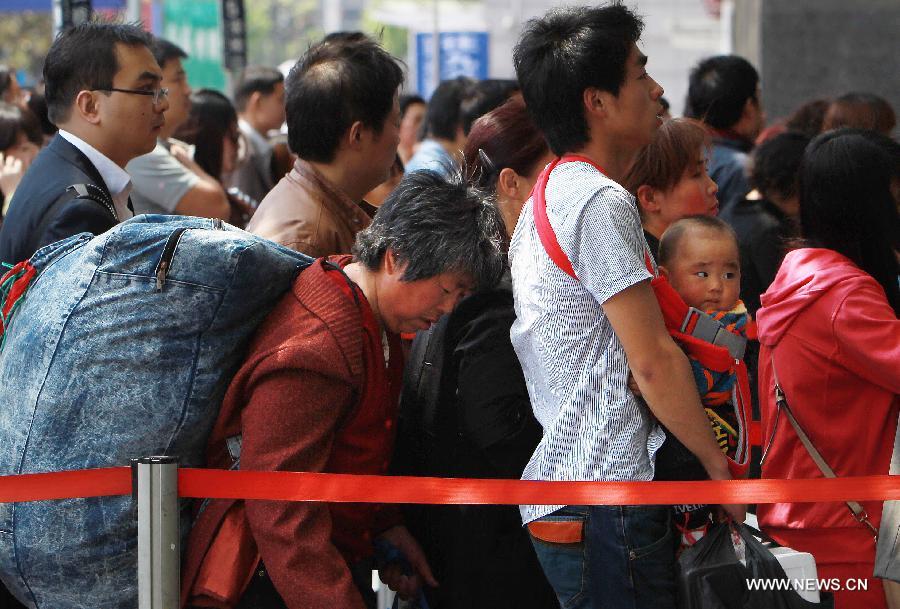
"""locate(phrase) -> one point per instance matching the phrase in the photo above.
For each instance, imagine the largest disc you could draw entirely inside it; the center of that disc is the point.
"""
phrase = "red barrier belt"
(297, 486)
(66, 485)
(304, 486)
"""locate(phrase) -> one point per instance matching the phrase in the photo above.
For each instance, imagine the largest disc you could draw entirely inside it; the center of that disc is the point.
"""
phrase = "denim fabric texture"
(626, 559)
(101, 366)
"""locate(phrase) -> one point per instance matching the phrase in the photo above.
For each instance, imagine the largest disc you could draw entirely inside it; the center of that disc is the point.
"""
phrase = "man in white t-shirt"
(167, 180)
(578, 336)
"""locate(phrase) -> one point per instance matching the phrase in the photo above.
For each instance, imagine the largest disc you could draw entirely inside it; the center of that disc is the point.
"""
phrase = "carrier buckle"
(703, 327)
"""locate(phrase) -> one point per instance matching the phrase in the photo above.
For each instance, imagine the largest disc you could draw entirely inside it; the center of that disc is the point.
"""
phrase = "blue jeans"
(626, 559)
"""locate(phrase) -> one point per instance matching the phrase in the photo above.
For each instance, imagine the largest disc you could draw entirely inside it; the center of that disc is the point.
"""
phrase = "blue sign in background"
(461, 54)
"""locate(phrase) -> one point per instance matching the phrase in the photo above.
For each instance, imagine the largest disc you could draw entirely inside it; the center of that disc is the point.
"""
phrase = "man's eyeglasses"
(157, 94)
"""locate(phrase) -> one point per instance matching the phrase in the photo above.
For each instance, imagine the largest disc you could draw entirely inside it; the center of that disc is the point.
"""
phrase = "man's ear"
(508, 183)
(663, 270)
(647, 199)
(355, 135)
(88, 106)
(750, 115)
(592, 99)
(253, 100)
(749, 109)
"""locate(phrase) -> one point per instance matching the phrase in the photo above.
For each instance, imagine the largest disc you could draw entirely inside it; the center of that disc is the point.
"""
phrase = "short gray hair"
(436, 225)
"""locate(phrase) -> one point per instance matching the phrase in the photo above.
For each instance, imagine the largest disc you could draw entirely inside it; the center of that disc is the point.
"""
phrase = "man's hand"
(733, 512)
(736, 511)
(11, 171)
(407, 586)
(182, 155)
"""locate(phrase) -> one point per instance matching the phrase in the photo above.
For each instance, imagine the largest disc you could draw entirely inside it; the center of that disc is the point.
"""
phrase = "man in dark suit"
(103, 92)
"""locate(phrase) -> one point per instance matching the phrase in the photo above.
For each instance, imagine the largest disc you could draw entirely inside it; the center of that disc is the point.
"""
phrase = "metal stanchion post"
(159, 554)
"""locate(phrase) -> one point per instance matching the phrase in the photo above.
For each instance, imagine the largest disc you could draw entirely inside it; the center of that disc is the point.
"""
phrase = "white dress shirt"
(117, 180)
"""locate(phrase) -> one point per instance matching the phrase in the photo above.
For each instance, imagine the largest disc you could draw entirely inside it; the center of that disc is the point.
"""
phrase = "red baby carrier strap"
(681, 321)
(544, 230)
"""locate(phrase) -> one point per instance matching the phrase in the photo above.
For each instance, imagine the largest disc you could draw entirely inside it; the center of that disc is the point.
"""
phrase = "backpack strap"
(703, 327)
(542, 223)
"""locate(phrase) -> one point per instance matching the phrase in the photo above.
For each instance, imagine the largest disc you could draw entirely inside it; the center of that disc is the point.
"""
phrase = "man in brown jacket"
(343, 121)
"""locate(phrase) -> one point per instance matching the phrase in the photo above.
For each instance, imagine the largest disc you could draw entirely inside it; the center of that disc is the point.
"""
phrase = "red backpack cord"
(13, 286)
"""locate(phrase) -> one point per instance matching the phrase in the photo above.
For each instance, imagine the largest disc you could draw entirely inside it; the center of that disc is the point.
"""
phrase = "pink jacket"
(836, 345)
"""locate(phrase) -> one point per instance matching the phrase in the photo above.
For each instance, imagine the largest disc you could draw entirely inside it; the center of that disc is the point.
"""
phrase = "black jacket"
(57, 167)
(477, 423)
(763, 231)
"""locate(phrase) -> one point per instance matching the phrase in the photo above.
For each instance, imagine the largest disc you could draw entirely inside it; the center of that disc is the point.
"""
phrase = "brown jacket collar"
(306, 175)
(308, 213)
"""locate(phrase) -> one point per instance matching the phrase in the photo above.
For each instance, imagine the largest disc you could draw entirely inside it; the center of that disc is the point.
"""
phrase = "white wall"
(677, 34)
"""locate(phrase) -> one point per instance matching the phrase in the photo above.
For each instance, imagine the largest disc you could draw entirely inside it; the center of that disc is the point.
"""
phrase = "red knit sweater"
(313, 394)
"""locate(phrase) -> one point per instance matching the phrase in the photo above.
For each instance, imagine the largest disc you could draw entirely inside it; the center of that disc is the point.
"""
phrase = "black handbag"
(711, 576)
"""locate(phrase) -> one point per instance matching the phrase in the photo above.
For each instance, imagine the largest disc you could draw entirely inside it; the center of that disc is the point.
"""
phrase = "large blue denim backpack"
(123, 347)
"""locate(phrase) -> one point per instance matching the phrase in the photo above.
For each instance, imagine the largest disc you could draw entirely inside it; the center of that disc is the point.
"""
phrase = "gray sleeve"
(602, 237)
(159, 181)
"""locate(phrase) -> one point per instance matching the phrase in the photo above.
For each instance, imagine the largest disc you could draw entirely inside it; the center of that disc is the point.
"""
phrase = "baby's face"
(706, 270)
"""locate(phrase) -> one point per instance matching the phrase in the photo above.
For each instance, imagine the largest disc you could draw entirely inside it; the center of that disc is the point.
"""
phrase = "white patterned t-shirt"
(575, 367)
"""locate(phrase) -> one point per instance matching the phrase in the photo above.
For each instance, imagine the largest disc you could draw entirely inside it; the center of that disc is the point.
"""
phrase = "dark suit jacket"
(763, 231)
(57, 167)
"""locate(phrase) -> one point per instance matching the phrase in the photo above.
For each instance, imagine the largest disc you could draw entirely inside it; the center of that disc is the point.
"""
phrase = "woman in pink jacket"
(829, 330)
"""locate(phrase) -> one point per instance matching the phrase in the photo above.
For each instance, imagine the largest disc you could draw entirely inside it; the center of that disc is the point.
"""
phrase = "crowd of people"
(545, 278)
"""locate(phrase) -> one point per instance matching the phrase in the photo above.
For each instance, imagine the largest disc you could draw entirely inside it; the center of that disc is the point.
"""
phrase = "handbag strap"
(86, 192)
(781, 404)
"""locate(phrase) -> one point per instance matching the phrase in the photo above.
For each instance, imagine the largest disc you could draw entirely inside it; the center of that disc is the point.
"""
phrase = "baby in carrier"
(699, 257)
